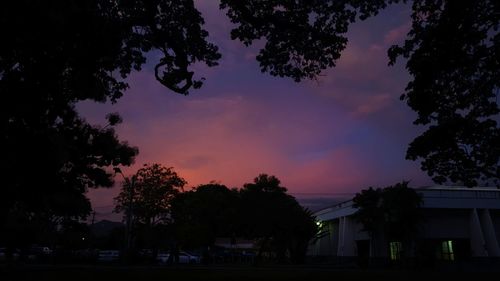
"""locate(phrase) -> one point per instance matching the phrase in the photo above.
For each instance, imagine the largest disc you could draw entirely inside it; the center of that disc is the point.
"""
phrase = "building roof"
(433, 197)
(458, 187)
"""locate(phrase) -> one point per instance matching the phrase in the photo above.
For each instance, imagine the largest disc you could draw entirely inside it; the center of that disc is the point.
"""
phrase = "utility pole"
(130, 184)
(91, 234)
(130, 190)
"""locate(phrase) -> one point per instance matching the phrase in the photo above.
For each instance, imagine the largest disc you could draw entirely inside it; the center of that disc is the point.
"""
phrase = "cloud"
(342, 133)
(362, 83)
(339, 170)
(373, 104)
(195, 162)
(397, 34)
(226, 139)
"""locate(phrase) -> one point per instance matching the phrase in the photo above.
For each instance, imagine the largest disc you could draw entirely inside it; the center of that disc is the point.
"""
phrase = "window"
(395, 250)
(445, 251)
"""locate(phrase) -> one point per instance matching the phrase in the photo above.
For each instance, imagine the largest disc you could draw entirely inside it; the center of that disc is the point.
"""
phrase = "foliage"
(369, 213)
(59, 52)
(452, 53)
(302, 37)
(276, 219)
(394, 210)
(401, 207)
(149, 194)
(66, 160)
(205, 213)
(261, 211)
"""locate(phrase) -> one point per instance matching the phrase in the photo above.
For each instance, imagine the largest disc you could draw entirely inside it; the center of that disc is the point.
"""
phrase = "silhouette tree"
(393, 212)
(60, 164)
(205, 213)
(401, 206)
(145, 200)
(261, 211)
(57, 53)
(153, 190)
(276, 219)
(452, 53)
(369, 213)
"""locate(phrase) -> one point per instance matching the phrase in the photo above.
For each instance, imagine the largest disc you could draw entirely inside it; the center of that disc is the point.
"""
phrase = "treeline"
(160, 214)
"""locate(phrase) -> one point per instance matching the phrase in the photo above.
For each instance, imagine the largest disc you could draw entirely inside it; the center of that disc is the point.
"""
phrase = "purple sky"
(324, 138)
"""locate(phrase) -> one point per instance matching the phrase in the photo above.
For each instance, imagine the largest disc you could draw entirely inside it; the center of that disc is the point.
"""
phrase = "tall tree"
(369, 213)
(392, 212)
(276, 219)
(59, 52)
(205, 213)
(402, 213)
(150, 194)
(452, 53)
(261, 210)
(51, 169)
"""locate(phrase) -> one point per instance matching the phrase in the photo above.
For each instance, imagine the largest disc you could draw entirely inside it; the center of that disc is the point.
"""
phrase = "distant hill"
(105, 227)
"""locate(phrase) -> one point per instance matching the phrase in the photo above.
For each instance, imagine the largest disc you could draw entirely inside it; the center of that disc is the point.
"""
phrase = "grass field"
(113, 273)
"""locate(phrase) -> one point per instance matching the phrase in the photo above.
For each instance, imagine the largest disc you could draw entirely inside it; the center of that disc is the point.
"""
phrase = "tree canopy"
(57, 53)
(149, 193)
(276, 219)
(261, 211)
(392, 210)
(452, 53)
(205, 213)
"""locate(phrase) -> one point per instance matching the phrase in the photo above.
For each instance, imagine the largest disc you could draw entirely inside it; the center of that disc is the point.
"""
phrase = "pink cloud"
(362, 83)
(397, 34)
(311, 135)
(338, 171)
(229, 139)
(372, 104)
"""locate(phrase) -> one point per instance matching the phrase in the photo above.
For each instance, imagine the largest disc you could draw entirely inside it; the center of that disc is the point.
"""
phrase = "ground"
(237, 273)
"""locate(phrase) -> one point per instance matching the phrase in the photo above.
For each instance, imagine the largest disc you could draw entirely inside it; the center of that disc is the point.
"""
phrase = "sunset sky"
(325, 138)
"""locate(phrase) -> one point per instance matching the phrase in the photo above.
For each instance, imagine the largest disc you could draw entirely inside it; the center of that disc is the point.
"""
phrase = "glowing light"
(319, 224)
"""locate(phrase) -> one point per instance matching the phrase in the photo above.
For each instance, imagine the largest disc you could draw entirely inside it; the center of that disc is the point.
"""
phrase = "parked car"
(6, 254)
(108, 255)
(3, 254)
(39, 253)
(85, 255)
(162, 257)
(145, 252)
(184, 258)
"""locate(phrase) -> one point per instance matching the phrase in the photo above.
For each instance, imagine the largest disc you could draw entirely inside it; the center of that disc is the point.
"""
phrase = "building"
(457, 223)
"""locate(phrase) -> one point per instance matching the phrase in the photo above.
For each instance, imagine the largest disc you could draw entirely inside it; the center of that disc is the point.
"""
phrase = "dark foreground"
(220, 273)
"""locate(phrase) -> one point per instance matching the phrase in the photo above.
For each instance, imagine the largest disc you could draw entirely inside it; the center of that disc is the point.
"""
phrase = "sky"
(325, 140)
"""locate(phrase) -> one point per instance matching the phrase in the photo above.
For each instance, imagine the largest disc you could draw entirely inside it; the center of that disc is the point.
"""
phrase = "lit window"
(395, 250)
(447, 250)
